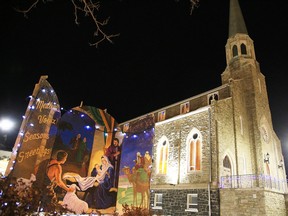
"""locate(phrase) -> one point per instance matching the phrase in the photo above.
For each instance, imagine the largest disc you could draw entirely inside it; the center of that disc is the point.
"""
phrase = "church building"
(216, 153)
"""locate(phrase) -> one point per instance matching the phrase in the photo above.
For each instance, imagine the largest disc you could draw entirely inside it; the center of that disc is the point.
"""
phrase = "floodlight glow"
(6, 124)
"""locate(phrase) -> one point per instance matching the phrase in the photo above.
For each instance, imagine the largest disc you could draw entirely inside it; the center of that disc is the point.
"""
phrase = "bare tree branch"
(194, 4)
(90, 8)
(28, 9)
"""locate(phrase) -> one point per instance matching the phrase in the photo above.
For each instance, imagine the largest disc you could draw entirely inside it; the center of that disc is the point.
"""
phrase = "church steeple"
(239, 46)
(249, 93)
(236, 20)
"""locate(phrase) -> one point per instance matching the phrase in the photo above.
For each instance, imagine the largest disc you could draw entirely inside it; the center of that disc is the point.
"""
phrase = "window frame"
(193, 206)
(185, 107)
(194, 148)
(162, 156)
(158, 204)
(161, 115)
(212, 96)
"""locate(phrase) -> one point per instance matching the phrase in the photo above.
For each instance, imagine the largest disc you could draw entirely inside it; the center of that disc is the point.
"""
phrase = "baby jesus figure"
(97, 172)
(97, 177)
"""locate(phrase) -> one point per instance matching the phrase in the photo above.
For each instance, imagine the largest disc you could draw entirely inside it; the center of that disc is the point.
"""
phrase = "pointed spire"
(236, 20)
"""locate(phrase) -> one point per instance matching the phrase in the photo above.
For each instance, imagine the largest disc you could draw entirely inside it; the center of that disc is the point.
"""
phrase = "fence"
(253, 181)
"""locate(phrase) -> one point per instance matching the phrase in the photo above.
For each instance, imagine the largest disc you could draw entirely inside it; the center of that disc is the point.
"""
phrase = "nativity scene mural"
(87, 138)
(82, 159)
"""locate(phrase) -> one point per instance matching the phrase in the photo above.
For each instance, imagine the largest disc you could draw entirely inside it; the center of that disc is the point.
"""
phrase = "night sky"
(162, 56)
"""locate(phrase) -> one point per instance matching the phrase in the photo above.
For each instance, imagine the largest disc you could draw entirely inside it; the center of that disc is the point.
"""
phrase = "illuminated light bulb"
(6, 124)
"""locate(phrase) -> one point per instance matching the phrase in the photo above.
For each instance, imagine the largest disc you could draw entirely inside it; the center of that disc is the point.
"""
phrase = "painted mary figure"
(104, 195)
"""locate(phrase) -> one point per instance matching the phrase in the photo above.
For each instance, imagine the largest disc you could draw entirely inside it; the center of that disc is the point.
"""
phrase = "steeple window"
(243, 49)
(235, 51)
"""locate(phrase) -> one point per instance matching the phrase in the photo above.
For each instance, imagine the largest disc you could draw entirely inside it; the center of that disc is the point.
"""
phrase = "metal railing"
(254, 181)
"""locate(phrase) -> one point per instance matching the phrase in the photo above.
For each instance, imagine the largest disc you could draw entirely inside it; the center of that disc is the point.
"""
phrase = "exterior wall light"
(280, 164)
(266, 158)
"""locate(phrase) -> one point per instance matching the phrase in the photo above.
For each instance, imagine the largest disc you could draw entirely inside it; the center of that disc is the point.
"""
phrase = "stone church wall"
(252, 201)
(175, 201)
(177, 132)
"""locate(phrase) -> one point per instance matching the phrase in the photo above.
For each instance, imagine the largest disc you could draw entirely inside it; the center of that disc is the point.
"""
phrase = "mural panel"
(37, 133)
(89, 138)
(83, 154)
(136, 164)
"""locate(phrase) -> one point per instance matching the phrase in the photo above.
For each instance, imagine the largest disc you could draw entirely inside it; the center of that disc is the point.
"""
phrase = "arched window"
(213, 96)
(195, 151)
(227, 172)
(162, 151)
(243, 49)
(227, 163)
(235, 51)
